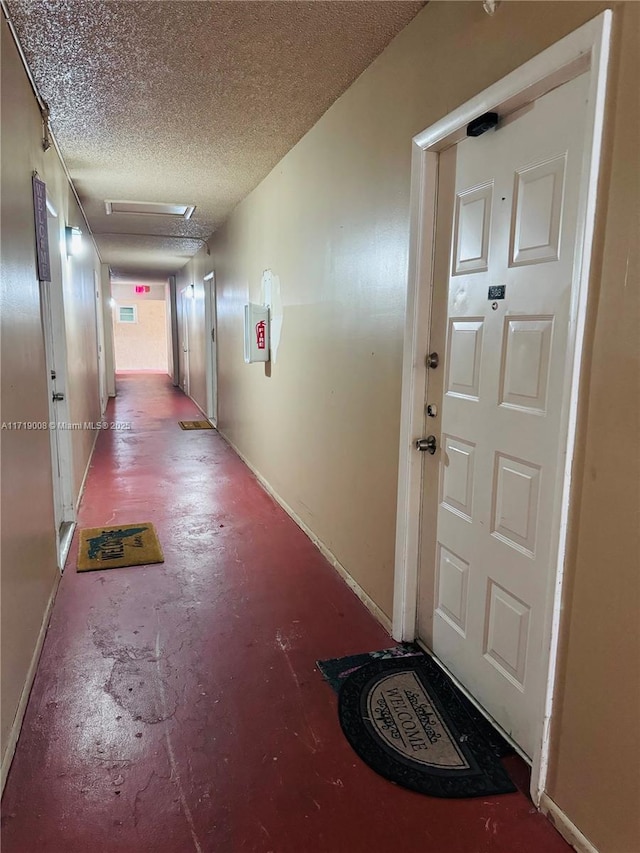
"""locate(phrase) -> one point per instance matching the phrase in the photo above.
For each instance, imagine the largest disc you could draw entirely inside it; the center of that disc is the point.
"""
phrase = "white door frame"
(584, 50)
(55, 337)
(174, 342)
(186, 297)
(211, 329)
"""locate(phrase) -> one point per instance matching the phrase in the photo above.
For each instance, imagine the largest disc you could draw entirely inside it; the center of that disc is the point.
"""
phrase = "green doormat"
(405, 720)
(195, 425)
(117, 547)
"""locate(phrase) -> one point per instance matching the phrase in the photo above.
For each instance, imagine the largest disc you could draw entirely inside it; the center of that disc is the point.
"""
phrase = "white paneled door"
(55, 344)
(497, 403)
(210, 321)
(186, 302)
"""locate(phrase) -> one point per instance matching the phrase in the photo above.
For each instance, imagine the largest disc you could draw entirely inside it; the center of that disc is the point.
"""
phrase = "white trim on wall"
(586, 49)
(567, 829)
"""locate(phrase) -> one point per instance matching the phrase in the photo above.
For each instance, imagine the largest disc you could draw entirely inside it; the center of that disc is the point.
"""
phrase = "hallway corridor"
(177, 706)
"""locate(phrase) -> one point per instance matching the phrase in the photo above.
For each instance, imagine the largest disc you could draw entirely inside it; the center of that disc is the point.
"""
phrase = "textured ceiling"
(189, 102)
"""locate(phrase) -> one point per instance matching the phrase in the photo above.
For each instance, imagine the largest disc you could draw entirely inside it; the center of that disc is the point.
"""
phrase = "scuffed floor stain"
(132, 684)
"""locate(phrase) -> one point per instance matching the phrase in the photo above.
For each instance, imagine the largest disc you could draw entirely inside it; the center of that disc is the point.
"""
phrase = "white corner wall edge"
(364, 597)
(14, 734)
(565, 827)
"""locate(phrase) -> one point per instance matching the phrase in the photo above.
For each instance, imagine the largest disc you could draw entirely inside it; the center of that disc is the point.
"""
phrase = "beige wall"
(331, 221)
(142, 345)
(28, 548)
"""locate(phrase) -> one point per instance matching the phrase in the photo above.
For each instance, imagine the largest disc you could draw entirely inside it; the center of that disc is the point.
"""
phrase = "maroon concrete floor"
(177, 707)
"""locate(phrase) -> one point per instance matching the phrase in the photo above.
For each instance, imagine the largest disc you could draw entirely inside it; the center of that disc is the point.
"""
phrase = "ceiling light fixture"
(155, 208)
(73, 236)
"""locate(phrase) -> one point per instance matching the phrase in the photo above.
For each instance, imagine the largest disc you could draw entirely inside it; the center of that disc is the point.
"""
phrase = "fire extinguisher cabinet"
(256, 333)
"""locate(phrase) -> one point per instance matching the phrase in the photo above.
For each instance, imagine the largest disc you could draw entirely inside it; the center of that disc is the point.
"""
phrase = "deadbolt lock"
(433, 359)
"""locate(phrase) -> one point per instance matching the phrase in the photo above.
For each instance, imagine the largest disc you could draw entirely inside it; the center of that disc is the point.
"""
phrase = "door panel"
(185, 312)
(102, 375)
(210, 314)
(506, 220)
(535, 231)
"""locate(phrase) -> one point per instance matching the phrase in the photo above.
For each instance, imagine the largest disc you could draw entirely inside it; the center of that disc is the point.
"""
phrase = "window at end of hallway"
(127, 314)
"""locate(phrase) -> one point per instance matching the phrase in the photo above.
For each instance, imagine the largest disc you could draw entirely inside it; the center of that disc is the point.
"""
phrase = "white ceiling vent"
(155, 208)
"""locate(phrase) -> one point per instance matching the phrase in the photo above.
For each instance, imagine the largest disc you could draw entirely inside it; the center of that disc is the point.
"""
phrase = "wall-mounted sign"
(42, 231)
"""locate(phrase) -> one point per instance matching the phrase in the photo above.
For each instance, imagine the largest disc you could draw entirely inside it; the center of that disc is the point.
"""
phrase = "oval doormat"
(404, 719)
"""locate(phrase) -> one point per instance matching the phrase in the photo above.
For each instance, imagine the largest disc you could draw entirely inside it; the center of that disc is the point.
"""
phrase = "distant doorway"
(141, 342)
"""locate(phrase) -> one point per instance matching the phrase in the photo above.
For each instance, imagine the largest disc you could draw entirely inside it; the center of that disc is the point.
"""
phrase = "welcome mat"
(335, 670)
(195, 425)
(405, 719)
(117, 547)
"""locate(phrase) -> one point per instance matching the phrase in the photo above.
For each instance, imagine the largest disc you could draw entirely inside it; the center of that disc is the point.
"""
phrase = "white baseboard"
(565, 827)
(14, 734)
(86, 471)
(366, 599)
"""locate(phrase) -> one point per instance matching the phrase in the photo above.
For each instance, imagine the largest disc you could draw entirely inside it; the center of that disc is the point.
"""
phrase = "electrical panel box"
(256, 333)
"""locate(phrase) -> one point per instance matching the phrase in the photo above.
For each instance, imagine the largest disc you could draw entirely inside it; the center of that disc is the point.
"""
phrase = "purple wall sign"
(42, 231)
